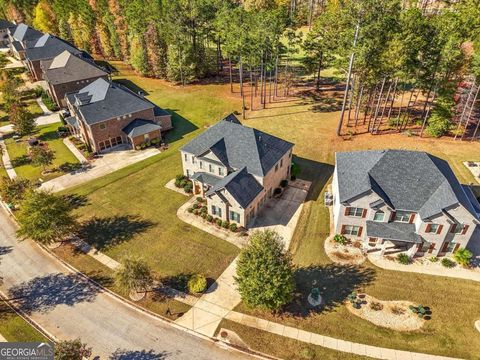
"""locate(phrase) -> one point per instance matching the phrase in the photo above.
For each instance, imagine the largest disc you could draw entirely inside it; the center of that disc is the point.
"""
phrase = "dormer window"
(379, 216)
(402, 216)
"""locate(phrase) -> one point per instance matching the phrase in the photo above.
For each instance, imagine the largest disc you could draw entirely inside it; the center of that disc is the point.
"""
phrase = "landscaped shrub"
(397, 310)
(199, 199)
(403, 259)
(277, 191)
(38, 91)
(219, 222)
(188, 187)
(433, 259)
(49, 103)
(180, 180)
(203, 214)
(203, 209)
(69, 167)
(197, 284)
(190, 210)
(376, 306)
(446, 262)
(284, 183)
(340, 239)
(209, 218)
(195, 206)
(233, 227)
(419, 310)
(225, 224)
(463, 256)
(196, 212)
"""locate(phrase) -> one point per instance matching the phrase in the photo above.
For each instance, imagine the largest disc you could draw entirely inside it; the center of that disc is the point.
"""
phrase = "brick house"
(5, 26)
(105, 114)
(236, 168)
(395, 200)
(67, 73)
(45, 48)
(19, 37)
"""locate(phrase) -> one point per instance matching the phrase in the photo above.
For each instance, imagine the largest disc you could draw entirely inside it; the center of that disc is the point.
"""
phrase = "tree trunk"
(231, 78)
(286, 78)
(318, 70)
(261, 80)
(464, 110)
(377, 107)
(384, 106)
(275, 91)
(350, 99)
(357, 107)
(367, 106)
(251, 89)
(393, 99)
(241, 88)
(470, 113)
(425, 116)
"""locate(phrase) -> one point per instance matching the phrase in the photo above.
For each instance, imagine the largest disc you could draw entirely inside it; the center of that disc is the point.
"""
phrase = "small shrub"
(195, 206)
(419, 310)
(199, 199)
(284, 183)
(340, 239)
(218, 222)
(209, 218)
(277, 191)
(190, 210)
(197, 284)
(433, 259)
(403, 259)
(233, 227)
(463, 257)
(397, 310)
(188, 187)
(203, 209)
(446, 262)
(225, 224)
(196, 212)
(376, 306)
(203, 214)
(179, 180)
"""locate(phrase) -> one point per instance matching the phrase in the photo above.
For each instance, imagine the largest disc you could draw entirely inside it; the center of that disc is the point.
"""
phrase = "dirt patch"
(350, 253)
(394, 315)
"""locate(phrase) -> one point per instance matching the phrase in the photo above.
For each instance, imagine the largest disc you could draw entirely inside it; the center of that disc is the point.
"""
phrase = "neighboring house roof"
(140, 127)
(205, 178)
(238, 146)
(5, 24)
(17, 45)
(241, 185)
(48, 47)
(405, 180)
(67, 67)
(103, 100)
(393, 231)
(24, 32)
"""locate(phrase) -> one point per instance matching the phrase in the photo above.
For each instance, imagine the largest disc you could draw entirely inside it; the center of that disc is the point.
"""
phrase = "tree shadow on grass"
(75, 200)
(104, 233)
(181, 127)
(335, 283)
(120, 354)
(21, 160)
(317, 172)
(48, 136)
(44, 293)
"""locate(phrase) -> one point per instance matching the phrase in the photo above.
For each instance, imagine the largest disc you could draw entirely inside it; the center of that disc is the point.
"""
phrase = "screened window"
(379, 216)
(351, 230)
(354, 211)
(216, 210)
(234, 216)
(402, 216)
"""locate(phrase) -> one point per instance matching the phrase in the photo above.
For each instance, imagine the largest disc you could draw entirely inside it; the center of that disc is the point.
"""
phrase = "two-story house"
(5, 27)
(395, 200)
(236, 168)
(67, 73)
(45, 48)
(105, 114)
(19, 37)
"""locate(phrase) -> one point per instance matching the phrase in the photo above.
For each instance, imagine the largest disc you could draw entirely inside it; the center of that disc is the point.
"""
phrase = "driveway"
(67, 306)
(111, 161)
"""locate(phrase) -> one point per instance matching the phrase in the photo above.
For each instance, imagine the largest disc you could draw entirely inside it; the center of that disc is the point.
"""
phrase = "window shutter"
(360, 231)
(342, 231)
(427, 229)
(346, 211)
(440, 228)
(364, 213)
(412, 218)
(444, 247)
(456, 247)
(392, 215)
(465, 229)
(453, 227)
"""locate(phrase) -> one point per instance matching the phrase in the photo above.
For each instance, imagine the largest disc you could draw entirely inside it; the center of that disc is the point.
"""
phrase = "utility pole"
(349, 75)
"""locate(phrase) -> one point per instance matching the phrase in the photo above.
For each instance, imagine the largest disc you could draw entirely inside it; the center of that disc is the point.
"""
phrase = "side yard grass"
(18, 152)
(15, 329)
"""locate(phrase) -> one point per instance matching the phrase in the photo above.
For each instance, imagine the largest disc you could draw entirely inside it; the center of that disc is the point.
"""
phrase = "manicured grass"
(172, 247)
(19, 150)
(282, 347)
(105, 276)
(15, 329)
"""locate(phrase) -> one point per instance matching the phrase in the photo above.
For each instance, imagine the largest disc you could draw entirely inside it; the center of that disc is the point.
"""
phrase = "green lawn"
(18, 153)
(15, 329)
(134, 203)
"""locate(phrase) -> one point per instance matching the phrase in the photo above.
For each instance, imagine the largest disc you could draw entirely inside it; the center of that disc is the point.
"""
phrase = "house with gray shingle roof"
(67, 73)
(236, 168)
(5, 27)
(20, 36)
(106, 114)
(396, 200)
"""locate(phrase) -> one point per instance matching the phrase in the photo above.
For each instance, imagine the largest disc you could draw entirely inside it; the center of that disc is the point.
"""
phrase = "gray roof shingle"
(48, 47)
(5, 24)
(406, 180)
(67, 67)
(140, 127)
(238, 146)
(393, 231)
(241, 185)
(102, 100)
(24, 32)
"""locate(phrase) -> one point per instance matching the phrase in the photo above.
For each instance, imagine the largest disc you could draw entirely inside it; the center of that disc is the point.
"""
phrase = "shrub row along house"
(236, 168)
(104, 114)
(396, 200)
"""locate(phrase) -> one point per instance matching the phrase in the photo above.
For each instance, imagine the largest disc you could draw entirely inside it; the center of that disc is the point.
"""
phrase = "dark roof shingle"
(140, 127)
(48, 47)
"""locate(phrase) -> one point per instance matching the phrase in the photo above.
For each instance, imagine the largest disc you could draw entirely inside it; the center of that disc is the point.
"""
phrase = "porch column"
(412, 251)
(384, 247)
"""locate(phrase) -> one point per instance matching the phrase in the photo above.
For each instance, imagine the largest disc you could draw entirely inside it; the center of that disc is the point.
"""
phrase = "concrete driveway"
(67, 306)
(282, 214)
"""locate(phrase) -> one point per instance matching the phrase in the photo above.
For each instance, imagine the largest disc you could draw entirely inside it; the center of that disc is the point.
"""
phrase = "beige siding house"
(236, 169)
(394, 200)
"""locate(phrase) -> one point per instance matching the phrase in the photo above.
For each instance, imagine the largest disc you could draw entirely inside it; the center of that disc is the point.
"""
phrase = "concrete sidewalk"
(82, 159)
(6, 159)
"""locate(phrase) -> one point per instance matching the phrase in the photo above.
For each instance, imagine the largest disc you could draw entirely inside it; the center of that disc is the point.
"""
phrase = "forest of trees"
(395, 54)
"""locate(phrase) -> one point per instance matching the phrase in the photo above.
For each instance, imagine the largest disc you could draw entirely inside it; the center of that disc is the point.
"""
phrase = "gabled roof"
(24, 32)
(5, 24)
(48, 47)
(240, 146)
(393, 231)
(140, 127)
(103, 100)
(243, 187)
(67, 67)
(405, 180)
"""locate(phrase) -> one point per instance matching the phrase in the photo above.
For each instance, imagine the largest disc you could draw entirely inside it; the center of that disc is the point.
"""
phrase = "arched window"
(379, 215)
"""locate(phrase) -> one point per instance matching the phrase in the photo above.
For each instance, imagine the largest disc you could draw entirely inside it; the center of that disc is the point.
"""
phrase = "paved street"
(67, 306)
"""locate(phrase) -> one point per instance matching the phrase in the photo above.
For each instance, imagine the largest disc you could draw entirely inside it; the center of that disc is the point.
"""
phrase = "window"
(351, 230)
(220, 171)
(276, 167)
(234, 216)
(425, 246)
(201, 164)
(281, 163)
(433, 229)
(451, 247)
(103, 126)
(186, 157)
(459, 229)
(354, 211)
(402, 216)
(379, 216)
(372, 241)
(146, 137)
(188, 173)
(216, 211)
(193, 159)
(210, 168)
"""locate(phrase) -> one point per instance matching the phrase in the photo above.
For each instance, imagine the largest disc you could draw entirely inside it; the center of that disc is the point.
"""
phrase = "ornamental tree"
(265, 272)
(72, 350)
(463, 256)
(134, 275)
